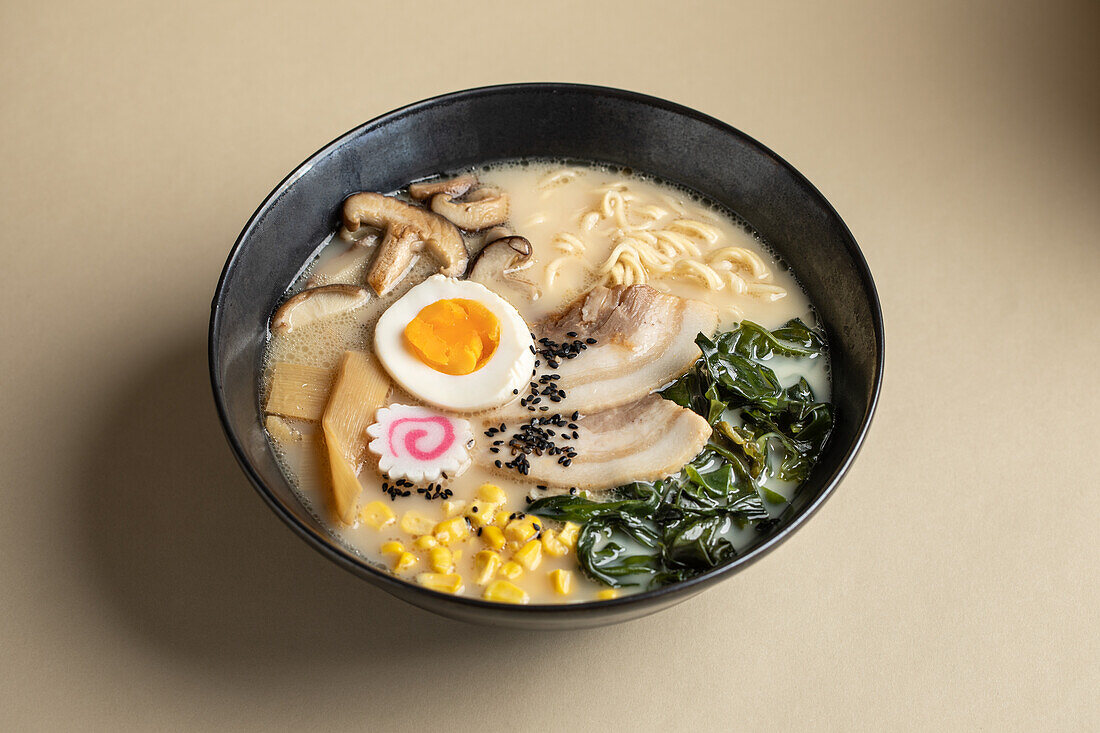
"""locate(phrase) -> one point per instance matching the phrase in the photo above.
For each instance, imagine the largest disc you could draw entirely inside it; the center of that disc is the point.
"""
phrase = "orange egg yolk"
(454, 336)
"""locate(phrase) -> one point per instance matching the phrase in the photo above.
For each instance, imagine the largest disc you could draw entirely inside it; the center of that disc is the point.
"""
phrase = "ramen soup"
(537, 383)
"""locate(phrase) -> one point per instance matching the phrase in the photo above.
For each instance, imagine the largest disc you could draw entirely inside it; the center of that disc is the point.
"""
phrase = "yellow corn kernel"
(492, 494)
(568, 535)
(530, 555)
(403, 561)
(480, 513)
(493, 537)
(553, 546)
(502, 591)
(511, 570)
(377, 515)
(453, 508)
(512, 546)
(486, 564)
(392, 548)
(562, 580)
(607, 594)
(457, 556)
(416, 523)
(442, 582)
(441, 560)
(452, 530)
(524, 528)
(502, 518)
(426, 542)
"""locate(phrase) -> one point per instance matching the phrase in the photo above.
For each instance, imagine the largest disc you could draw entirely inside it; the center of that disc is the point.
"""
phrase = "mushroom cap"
(483, 208)
(407, 230)
(315, 304)
(498, 266)
(451, 186)
(399, 251)
(519, 245)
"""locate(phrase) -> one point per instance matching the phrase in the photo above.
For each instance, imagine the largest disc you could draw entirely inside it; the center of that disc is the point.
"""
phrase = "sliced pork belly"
(644, 339)
(644, 440)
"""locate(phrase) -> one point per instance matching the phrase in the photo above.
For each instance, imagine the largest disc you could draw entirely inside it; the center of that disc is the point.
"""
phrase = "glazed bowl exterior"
(565, 121)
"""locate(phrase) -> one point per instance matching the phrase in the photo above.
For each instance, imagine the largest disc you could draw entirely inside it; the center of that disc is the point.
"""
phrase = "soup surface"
(513, 524)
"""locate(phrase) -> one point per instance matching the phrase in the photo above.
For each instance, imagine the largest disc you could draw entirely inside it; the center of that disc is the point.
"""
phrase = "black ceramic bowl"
(477, 126)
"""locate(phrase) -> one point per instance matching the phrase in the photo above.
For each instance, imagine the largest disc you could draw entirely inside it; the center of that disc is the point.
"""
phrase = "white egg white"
(508, 369)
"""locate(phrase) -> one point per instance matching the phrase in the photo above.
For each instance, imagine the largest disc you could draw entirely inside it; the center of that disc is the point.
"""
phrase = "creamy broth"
(574, 226)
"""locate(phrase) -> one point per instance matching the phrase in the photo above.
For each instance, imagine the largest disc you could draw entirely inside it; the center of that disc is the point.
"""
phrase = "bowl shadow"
(195, 563)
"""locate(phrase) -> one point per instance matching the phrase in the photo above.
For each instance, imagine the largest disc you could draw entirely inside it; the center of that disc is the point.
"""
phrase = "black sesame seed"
(590, 341)
(496, 463)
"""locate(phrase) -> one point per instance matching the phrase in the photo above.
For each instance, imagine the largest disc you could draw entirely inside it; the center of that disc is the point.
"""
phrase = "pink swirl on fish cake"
(413, 435)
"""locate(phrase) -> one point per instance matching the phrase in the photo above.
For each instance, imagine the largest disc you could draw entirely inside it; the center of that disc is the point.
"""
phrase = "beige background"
(950, 583)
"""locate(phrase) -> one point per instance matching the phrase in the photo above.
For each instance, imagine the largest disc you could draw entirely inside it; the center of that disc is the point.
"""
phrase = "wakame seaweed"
(676, 528)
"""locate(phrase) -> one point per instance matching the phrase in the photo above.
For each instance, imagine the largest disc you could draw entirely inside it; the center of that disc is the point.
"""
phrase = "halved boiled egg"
(455, 344)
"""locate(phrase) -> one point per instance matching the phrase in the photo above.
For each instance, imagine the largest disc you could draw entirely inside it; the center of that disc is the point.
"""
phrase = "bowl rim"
(356, 565)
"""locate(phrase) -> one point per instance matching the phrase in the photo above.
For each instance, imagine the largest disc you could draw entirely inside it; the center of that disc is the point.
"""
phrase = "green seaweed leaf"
(673, 529)
(793, 339)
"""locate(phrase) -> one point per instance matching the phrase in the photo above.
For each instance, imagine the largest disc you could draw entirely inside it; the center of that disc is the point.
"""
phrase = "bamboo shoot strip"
(303, 451)
(298, 391)
(361, 388)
